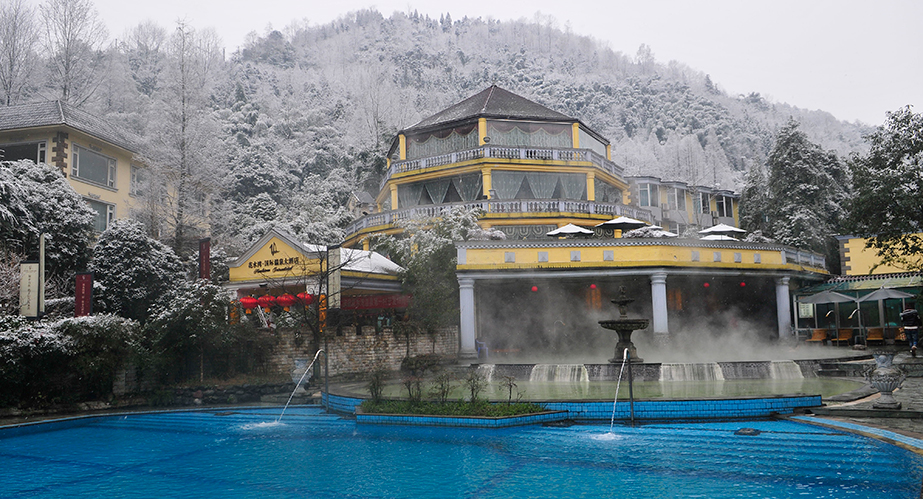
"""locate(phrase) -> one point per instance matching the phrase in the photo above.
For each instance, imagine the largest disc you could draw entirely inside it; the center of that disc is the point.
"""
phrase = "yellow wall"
(275, 260)
(118, 196)
(859, 260)
(624, 256)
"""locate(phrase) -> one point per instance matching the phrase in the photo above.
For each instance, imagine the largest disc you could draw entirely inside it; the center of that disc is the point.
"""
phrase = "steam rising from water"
(557, 325)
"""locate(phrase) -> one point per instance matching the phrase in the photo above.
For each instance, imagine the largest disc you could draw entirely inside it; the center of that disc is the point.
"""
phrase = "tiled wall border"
(644, 410)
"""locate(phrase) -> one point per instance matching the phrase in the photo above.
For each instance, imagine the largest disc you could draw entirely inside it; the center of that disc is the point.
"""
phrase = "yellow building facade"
(97, 159)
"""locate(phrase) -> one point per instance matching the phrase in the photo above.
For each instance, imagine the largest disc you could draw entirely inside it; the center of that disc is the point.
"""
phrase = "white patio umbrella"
(723, 229)
(718, 237)
(570, 230)
(623, 224)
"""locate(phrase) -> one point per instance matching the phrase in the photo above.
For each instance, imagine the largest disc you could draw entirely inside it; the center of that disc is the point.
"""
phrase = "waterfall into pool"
(708, 371)
(785, 369)
(560, 373)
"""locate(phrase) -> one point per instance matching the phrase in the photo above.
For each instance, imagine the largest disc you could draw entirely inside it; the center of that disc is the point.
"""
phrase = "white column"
(783, 307)
(659, 303)
(467, 323)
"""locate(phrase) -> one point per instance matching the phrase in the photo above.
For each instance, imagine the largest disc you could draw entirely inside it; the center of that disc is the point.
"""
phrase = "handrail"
(499, 206)
(504, 152)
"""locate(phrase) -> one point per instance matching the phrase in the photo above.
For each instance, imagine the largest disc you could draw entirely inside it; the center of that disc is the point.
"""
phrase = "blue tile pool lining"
(910, 443)
(586, 411)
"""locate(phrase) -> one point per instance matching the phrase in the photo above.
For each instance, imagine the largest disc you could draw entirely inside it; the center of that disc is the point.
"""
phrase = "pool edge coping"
(911, 444)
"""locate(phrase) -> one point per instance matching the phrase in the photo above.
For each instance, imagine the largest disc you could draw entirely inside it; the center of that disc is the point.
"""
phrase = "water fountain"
(304, 374)
(624, 327)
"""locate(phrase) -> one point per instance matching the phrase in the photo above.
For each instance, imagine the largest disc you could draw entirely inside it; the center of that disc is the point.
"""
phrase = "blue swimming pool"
(245, 453)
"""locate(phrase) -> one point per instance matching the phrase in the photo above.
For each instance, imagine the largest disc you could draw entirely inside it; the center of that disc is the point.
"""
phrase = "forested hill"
(369, 76)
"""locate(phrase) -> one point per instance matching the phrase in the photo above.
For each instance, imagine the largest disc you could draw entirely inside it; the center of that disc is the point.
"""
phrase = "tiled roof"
(52, 113)
(493, 102)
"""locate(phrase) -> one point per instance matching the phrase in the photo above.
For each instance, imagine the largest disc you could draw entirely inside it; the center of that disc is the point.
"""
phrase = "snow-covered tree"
(18, 47)
(888, 207)
(426, 251)
(132, 271)
(36, 199)
(191, 324)
(808, 191)
(73, 39)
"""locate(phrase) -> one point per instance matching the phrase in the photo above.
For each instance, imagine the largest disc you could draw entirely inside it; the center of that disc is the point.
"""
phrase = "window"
(34, 151)
(676, 198)
(648, 195)
(138, 185)
(725, 206)
(105, 213)
(705, 202)
(93, 167)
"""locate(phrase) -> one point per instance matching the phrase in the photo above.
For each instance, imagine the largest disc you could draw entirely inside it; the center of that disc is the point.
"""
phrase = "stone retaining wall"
(351, 353)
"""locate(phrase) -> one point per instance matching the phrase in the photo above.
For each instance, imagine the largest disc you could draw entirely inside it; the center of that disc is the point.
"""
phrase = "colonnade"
(659, 322)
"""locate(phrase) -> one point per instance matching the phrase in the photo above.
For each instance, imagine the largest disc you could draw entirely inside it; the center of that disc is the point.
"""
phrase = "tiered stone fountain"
(624, 327)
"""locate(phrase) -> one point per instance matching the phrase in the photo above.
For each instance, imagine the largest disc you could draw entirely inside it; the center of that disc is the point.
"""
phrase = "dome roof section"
(493, 102)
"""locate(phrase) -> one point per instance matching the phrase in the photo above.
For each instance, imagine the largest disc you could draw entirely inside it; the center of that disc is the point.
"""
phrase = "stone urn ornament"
(885, 378)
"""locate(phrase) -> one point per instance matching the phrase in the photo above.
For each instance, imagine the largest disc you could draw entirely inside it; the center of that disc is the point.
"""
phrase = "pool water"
(246, 453)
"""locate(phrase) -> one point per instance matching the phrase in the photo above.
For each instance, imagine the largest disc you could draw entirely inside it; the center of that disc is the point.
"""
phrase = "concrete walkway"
(908, 421)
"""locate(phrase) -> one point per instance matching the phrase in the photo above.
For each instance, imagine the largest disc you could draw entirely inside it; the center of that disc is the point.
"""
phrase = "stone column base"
(662, 339)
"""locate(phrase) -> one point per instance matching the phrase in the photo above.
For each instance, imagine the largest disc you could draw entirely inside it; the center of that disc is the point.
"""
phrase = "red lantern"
(592, 286)
(742, 284)
(534, 288)
(266, 301)
(286, 301)
(249, 303)
(306, 298)
(706, 285)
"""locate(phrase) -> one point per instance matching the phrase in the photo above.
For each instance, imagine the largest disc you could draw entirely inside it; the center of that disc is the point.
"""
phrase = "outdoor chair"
(843, 335)
(876, 334)
(818, 335)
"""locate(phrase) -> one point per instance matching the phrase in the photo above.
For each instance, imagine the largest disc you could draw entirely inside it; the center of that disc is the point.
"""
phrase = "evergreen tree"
(807, 193)
(132, 271)
(888, 206)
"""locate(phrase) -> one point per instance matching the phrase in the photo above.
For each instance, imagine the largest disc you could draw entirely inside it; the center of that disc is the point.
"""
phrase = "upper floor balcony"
(507, 154)
(523, 209)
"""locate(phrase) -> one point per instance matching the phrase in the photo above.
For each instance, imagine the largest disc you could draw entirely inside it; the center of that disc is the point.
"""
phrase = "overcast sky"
(855, 59)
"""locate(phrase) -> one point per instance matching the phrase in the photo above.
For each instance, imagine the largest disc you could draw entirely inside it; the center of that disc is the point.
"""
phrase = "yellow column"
(591, 186)
(393, 196)
(402, 146)
(485, 174)
(365, 244)
(609, 152)
(576, 133)
(482, 130)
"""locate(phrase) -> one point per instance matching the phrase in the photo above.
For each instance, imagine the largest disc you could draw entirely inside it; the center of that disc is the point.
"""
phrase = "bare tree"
(182, 153)
(18, 42)
(73, 40)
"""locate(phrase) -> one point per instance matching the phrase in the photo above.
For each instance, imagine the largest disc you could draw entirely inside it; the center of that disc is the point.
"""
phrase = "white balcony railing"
(528, 207)
(504, 153)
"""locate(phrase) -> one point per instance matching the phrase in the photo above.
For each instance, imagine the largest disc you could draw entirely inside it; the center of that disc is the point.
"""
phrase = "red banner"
(83, 305)
(375, 301)
(205, 264)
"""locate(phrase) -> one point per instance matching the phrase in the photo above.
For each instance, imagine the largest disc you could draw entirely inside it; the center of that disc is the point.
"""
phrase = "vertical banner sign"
(205, 265)
(334, 263)
(41, 275)
(84, 295)
(28, 289)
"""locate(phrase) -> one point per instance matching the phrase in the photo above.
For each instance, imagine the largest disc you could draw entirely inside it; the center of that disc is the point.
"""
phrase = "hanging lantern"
(266, 301)
(706, 285)
(286, 301)
(534, 289)
(249, 303)
(306, 298)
